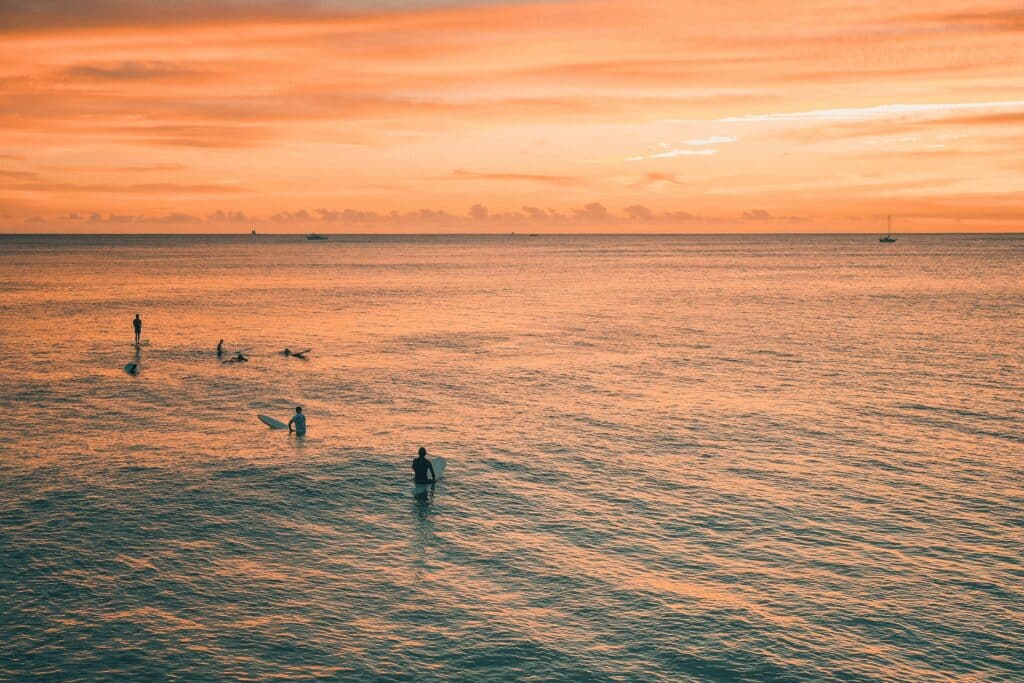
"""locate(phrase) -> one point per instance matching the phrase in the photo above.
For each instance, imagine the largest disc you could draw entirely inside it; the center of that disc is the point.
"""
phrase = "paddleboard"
(439, 465)
(271, 422)
(131, 368)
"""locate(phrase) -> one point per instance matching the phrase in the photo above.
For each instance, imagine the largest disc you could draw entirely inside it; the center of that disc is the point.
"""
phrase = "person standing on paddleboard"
(420, 467)
(137, 324)
(299, 420)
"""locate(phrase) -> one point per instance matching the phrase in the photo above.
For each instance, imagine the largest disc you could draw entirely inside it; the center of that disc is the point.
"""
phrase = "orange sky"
(739, 115)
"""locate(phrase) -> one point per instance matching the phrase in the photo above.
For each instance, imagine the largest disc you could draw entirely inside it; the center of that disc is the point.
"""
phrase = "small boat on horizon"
(315, 236)
(888, 238)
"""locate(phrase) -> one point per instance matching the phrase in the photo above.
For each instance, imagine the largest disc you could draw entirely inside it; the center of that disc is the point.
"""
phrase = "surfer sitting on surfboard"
(420, 467)
(299, 420)
(220, 348)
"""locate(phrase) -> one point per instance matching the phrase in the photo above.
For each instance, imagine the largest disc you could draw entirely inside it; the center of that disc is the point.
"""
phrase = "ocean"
(670, 458)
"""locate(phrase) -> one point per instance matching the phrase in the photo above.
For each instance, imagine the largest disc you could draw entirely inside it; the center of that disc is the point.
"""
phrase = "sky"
(588, 116)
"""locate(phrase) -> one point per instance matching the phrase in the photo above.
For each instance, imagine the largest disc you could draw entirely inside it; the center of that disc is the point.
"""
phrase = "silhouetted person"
(220, 348)
(299, 420)
(420, 467)
(137, 324)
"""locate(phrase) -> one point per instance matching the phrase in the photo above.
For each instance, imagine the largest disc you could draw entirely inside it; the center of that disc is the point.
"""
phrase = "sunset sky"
(341, 116)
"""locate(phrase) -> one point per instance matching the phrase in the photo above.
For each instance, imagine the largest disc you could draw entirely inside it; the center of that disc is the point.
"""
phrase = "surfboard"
(439, 466)
(144, 342)
(299, 354)
(271, 422)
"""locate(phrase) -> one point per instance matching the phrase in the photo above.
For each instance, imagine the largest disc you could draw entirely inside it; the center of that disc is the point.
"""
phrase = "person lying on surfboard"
(297, 354)
(299, 420)
(420, 467)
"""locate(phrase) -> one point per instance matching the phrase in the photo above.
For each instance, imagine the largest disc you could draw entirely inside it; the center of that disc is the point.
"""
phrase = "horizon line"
(491, 234)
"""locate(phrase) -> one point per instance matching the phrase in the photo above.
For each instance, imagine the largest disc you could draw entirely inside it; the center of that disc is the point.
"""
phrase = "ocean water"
(771, 458)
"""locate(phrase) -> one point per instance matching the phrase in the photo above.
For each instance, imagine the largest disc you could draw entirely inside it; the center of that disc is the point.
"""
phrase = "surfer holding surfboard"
(299, 420)
(421, 466)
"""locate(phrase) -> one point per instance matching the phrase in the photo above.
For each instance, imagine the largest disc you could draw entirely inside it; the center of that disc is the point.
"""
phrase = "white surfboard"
(271, 422)
(439, 466)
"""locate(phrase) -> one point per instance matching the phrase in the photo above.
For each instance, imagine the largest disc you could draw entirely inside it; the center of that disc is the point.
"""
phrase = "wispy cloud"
(671, 153)
(1009, 20)
(152, 168)
(664, 178)
(79, 14)
(139, 188)
(713, 140)
(880, 111)
(463, 174)
(18, 175)
(668, 154)
(130, 71)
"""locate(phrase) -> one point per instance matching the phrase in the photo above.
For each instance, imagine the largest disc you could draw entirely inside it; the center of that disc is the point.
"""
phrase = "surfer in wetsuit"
(220, 348)
(299, 420)
(420, 467)
(137, 324)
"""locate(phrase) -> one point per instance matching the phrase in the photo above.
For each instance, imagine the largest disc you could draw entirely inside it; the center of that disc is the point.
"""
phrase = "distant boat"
(888, 236)
(315, 236)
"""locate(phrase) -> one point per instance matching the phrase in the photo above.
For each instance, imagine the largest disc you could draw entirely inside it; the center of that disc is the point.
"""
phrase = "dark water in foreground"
(669, 458)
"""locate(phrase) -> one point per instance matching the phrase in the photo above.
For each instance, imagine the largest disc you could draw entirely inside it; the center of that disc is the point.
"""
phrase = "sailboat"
(888, 236)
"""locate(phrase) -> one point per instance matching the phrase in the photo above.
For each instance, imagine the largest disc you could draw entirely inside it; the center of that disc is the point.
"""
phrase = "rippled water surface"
(669, 459)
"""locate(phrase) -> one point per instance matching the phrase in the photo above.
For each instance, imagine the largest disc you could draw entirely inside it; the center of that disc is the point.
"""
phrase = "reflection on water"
(424, 531)
(682, 458)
